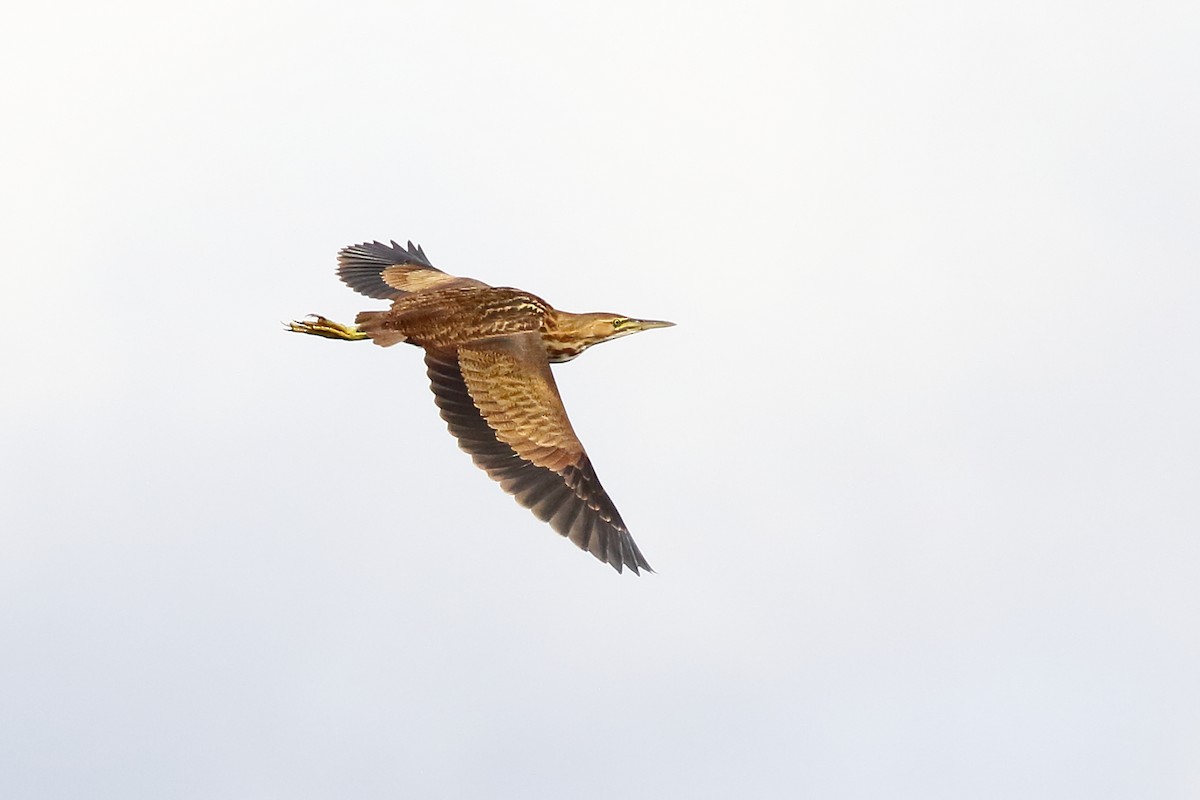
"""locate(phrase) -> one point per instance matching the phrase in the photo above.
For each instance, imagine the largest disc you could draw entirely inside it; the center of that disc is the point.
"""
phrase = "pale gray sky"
(918, 467)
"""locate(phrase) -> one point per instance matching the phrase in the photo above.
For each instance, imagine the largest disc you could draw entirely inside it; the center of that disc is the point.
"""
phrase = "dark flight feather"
(572, 501)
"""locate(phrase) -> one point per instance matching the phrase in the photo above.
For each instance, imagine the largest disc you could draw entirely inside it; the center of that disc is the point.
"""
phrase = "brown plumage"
(488, 352)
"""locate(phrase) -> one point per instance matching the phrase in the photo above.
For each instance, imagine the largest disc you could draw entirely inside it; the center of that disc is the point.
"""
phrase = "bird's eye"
(618, 322)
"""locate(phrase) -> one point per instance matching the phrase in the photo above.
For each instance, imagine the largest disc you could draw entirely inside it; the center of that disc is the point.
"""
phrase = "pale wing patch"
(510, 383)
(413, 278)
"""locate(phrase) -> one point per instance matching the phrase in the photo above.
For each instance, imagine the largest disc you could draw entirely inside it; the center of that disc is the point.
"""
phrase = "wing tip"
(628, 555)
(384, 255)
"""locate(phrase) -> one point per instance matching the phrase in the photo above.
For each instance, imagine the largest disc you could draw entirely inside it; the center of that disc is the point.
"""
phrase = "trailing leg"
(319, 326)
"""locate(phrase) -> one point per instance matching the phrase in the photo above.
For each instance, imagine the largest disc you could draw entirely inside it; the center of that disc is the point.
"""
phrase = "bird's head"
(567, 335)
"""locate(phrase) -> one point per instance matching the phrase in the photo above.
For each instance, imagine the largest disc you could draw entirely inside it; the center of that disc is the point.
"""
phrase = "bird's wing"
(499, 400)
(384, 272)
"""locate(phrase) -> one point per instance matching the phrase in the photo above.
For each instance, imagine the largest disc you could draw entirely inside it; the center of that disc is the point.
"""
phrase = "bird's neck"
(564, 335)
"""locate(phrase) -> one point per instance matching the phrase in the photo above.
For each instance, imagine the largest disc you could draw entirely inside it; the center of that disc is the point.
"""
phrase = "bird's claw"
(317, 325)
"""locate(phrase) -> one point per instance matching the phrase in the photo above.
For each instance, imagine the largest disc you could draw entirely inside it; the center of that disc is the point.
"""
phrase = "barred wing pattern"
(552, 477)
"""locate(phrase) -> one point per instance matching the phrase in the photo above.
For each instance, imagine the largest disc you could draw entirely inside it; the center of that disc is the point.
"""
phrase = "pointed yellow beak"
(647, 324)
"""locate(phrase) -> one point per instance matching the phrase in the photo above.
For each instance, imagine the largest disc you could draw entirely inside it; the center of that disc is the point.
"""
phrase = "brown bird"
(488, 352)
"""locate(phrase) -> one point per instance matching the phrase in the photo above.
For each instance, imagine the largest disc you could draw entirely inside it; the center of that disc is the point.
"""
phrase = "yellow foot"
(319, 326)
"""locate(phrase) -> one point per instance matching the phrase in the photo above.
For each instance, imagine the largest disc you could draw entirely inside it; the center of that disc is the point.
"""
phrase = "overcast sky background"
(918, 468)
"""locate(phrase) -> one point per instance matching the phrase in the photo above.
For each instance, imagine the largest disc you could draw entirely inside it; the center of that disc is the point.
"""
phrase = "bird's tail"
(381, 326)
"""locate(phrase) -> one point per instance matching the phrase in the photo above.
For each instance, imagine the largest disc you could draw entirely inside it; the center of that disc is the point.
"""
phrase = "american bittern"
(488, 352)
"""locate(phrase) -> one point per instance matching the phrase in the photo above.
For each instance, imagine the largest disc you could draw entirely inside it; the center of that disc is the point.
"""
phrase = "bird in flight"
(488, 352)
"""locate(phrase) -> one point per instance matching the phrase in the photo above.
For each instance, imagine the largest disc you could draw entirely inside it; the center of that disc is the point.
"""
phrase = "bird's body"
(488, 352)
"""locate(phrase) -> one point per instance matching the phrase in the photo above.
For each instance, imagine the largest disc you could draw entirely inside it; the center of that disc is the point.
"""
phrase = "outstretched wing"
(499, 400)
(385, 273)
